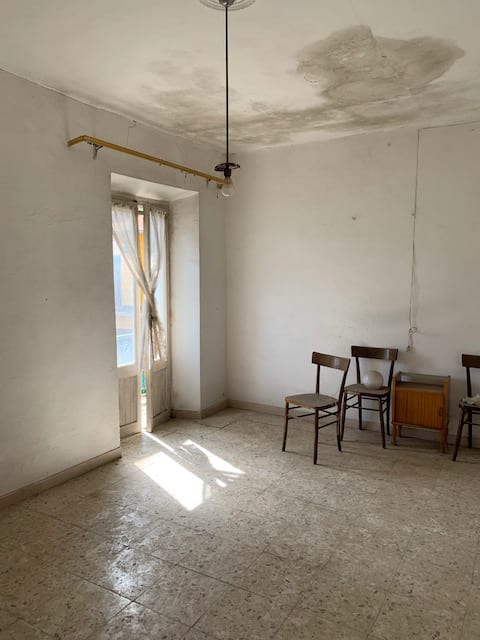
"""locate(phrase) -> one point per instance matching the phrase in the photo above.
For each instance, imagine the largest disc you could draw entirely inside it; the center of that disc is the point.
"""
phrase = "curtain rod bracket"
(96, 148)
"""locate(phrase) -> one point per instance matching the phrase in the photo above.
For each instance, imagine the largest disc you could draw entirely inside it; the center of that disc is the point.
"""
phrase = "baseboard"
(214, 408)
(253, 406)
(184, 414)
(160, 419)
(198, 415)
(33, 489)
(130, 429)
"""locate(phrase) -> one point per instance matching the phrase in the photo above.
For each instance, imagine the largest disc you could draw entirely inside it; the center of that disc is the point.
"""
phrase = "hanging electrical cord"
(227, 167)
(412, 329)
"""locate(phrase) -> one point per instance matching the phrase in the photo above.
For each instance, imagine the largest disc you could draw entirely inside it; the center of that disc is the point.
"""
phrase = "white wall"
(213, 306)
(185, 303)
(319, 248)
(58, 387)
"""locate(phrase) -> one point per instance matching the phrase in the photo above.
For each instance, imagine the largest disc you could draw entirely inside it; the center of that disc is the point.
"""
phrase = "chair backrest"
(470, 362)
(375, 353)
(331, 362)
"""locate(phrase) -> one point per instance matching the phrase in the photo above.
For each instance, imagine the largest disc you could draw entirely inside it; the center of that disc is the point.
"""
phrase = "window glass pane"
(124, 286)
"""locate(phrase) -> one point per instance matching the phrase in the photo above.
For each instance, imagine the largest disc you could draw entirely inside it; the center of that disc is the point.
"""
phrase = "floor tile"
(448, 551)
(271, 575)
(402, 618)
(126, 523)
(305, 624)
(182, 594)
(138, 623)
(21, 630)
(6, 619)
(239, 615)
(219, 557)
(351, 601)
(196, 634)
(54, 500)
(297, 543)
(426, 581)
(78, 612)
(31, 583)
(222, 418)
(471, 626)
(170, 540)
(276, 504)
(123, 570)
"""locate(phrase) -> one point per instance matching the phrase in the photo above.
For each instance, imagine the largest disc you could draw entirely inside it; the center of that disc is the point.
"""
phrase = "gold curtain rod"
(98, 144)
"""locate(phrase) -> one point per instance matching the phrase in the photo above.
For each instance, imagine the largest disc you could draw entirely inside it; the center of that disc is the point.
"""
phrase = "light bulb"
(228, 189)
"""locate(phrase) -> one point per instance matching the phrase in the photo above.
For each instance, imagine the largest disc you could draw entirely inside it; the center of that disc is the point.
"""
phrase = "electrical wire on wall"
(412, 329)
(131, 126)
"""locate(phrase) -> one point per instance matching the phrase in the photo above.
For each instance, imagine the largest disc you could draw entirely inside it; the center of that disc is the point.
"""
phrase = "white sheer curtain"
(153, 341)
(158, 282)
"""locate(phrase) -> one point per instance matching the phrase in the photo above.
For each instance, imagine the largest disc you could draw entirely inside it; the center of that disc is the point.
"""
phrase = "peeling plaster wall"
(58, 384)
(319, 248)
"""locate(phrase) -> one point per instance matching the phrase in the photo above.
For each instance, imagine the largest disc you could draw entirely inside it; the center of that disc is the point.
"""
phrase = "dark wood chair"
(467, 408)
(354, 394)
(321, 406)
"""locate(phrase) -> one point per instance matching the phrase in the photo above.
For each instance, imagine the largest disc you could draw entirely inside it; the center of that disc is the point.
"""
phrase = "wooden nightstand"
(421, 401)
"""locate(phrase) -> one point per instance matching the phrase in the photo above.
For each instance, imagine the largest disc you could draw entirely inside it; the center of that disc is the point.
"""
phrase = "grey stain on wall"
(362, 82)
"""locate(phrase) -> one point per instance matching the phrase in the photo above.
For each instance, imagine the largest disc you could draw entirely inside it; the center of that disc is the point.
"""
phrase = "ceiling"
(301, 70)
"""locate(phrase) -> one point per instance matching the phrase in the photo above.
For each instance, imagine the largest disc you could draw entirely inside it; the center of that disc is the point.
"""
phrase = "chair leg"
(339, 427)
(286, 427)
(315, 445)
(443, 440)
(459, 435)
(388, 415)
(382, 424)
(395, 428)
(343, 411)
(470, 428)
(360, 426)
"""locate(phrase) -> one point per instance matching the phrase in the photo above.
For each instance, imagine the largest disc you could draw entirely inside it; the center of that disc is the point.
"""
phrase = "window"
(125, 309)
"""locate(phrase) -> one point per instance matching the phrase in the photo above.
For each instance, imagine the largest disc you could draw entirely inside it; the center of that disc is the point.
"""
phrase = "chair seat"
(312, 400)
(471, 403)
(361, 389)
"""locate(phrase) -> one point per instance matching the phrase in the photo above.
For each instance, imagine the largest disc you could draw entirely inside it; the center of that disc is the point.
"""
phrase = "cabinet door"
(429, 410)
(423, 409)
(400, 406)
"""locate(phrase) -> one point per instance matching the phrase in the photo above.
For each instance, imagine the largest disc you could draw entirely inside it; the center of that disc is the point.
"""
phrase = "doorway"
(141, 286)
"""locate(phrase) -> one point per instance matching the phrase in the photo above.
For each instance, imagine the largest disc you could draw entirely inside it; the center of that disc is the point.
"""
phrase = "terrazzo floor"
(206, 531)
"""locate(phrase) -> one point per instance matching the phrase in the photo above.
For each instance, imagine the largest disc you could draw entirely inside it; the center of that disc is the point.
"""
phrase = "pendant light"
(227, 167)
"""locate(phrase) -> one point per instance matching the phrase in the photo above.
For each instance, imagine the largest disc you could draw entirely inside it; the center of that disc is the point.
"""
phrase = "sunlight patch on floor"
(186, 487)
(183, 485)
(217, 463)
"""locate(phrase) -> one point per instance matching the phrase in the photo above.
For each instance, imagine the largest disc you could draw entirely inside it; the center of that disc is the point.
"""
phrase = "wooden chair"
(467, 408)
(321, 406)
(354, 393)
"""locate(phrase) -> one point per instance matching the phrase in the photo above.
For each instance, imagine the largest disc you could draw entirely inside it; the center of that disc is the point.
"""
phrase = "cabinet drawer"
(419, 408)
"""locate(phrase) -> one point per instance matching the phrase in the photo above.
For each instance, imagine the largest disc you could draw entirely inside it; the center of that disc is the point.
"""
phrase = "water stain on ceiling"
(362, 82)
(353, 66)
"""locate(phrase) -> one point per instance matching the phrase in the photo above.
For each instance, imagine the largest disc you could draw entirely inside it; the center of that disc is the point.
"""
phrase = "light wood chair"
(354, 393)
(321, 406)
(467, 408)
